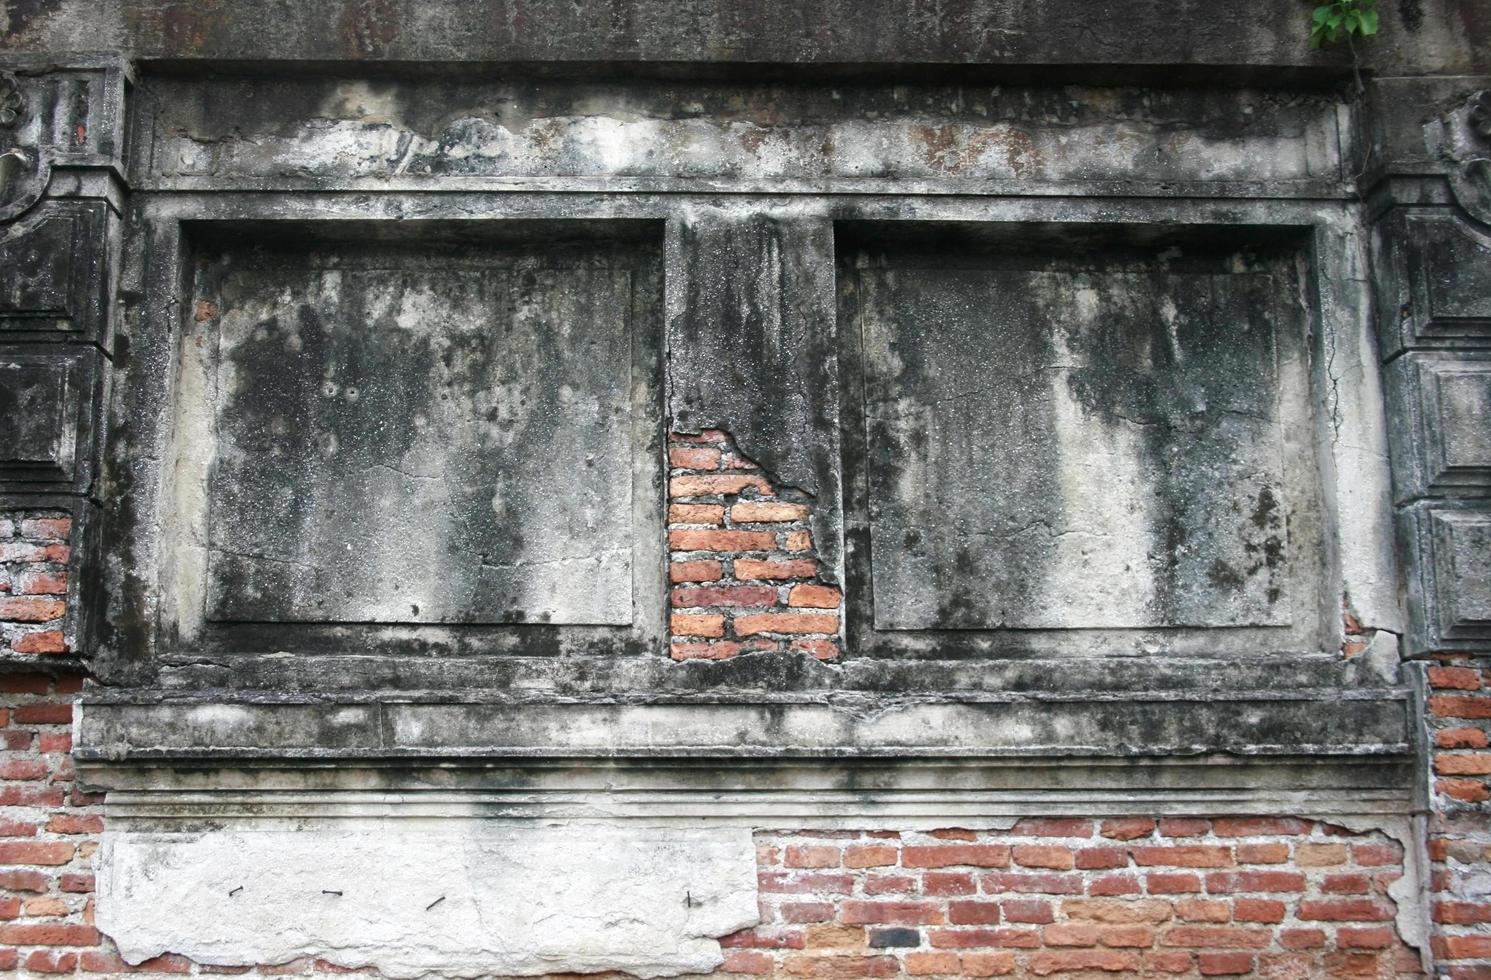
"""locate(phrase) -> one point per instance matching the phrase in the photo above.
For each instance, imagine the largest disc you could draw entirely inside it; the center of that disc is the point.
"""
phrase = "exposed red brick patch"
(742, 555)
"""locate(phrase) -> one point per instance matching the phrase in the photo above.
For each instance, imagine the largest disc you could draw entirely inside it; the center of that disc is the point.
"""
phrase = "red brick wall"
(1277, 897)
(33, 581)
(1460, 826)
(744, 572)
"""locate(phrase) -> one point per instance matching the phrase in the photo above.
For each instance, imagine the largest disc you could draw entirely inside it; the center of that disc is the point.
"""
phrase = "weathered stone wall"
(831, 489)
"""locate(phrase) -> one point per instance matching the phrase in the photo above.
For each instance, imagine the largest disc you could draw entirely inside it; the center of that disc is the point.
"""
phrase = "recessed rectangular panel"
(438, 435)
(43, 405)
(1073, 448)
(1462, 572)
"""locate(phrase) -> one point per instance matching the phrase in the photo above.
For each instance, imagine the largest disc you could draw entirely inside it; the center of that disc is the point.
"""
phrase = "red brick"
(42, 583)
(1457, 947)
(42, 641)
(47, 961)
(23, 769)
(1468, 790)
(799, 541)
(49, 853)
(1379, 937)
(785, 623)
(1027, 910)
(757, 570)
(1459, 706)
(1052, 827)
(933, 964)
(763, 938)
(889, 885)
(691, 597)
(66, 823)
(1461, 738)
(767, 512)
(1259, 826)
(951, 855)
(1343, 910)
(800, 912)
(1172, 883)
(1070, 934)
(9, 959)
(716, 483)
(975, 938)
(1216, 937)
(1203, 910)
(954, 833)
(21, 794)
(695, 571)
(705, 651)
(1377, 855)
(712, 514)
(1183, 856)
(1147, 911)
(973, 913)
(694, 458)
(1462, 913)
(1346, 884)
(1184, 827)
(747, 961)
(1114, 885)
(891, 913)
(1039, 884)
(15, 880)
(1225, 964)
(1100, 858)
(1127, 828)
(709, 625)
(1258, 910)
(1301, 938)
(817, 648)
(686, 539)
(996, 964)
(814, 596)
(949, 883)
(1270, 852)
(1458, 678)
(870, 856)
(46, 528)
(48, 934)
(1220, 882)
(31, 610)
(42, 714)
(803, 884)
(15, 741)
(1048, 962)
(1478, 764)
(1041, 856)
(1126, 936)
(813, 856)
(1169, 961)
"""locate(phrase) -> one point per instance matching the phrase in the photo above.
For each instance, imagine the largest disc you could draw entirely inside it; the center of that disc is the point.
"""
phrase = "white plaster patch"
(487, 899)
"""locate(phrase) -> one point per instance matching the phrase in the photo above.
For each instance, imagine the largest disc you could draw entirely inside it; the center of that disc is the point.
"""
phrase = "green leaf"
(1321, 13)
(1369, 21)
(1351, 20)
(1334, 21)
